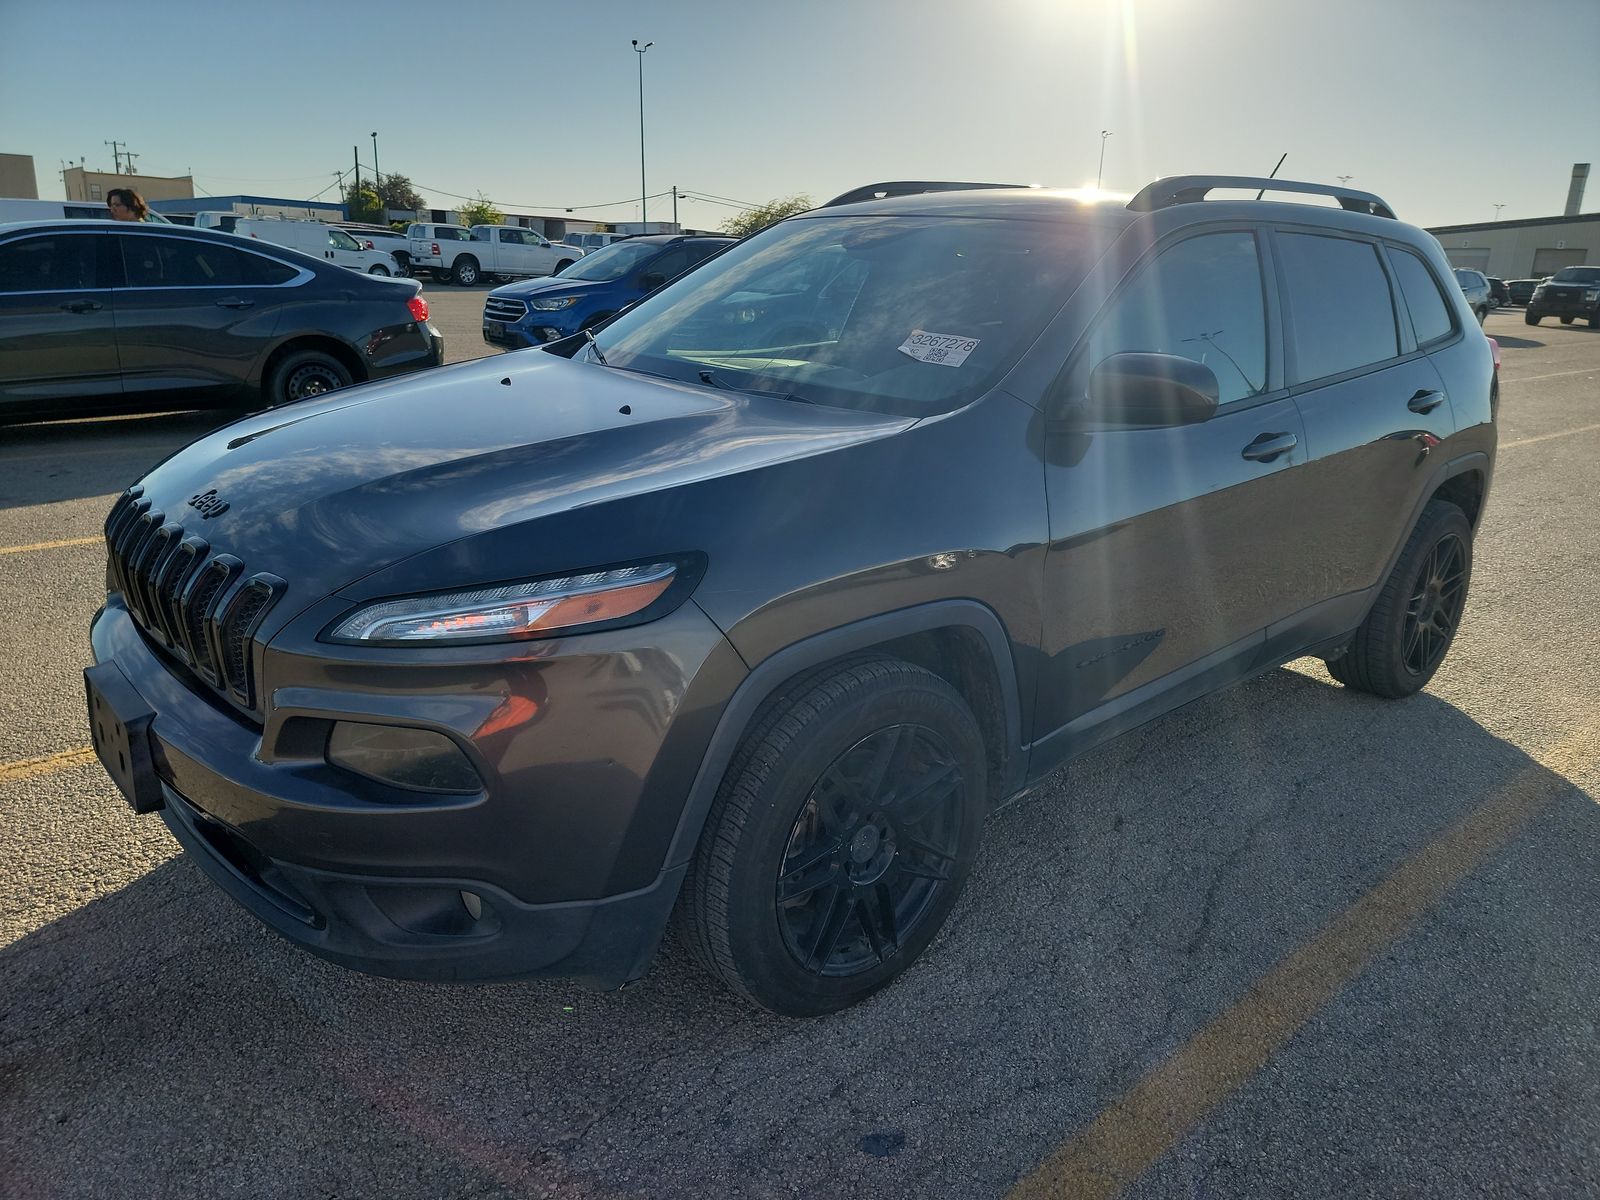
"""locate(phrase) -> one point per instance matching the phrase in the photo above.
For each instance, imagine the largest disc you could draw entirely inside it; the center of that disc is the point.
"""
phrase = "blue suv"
(534, 311)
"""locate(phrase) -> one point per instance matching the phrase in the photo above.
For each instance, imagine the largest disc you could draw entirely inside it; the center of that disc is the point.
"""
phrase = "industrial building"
(1532, 248)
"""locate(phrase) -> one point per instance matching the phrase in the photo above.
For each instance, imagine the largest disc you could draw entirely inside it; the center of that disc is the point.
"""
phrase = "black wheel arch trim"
(1476, 460)
(773, 672)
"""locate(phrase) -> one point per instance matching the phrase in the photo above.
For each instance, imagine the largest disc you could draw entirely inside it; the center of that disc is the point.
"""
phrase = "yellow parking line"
(1109, 1155)
(1545, 437)
(61, 760)
(83, 541)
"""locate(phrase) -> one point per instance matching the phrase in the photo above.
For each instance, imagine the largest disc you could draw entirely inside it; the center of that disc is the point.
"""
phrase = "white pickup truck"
(465, 256)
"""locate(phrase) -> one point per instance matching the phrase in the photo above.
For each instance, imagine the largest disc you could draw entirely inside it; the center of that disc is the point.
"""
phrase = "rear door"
(1360, 319)
(57, 333)
(1172, 549)
(196, 314)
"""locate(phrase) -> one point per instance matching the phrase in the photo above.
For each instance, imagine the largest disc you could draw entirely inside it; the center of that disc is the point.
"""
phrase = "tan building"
(93, 185)
(17, 180)
(1528, 249)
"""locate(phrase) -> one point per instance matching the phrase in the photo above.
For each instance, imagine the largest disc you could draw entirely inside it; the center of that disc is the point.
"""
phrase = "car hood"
(324, 492)
(549, 285)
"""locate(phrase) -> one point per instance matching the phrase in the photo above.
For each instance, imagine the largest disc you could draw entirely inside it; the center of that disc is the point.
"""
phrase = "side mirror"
(651, 280)
(1150, 389)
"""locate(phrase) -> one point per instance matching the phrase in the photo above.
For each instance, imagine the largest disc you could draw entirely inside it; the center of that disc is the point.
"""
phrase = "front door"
(57, 335)
(1172, 549)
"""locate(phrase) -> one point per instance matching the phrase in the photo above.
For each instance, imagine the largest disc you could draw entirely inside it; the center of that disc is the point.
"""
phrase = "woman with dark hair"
(127, 205)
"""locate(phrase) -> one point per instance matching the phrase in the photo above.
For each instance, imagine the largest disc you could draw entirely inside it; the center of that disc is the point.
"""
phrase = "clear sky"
(1444, 107)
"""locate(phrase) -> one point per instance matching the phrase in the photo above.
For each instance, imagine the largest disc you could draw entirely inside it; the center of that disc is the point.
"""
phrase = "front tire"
(1567, 320)
(563, 265)
(466, 271)
(1530, 317)
(306, 375)
(1413, 623)
(379, 269)
(840, 838)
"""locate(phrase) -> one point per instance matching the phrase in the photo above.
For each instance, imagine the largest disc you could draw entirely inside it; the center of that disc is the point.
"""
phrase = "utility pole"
(644, 210)
(355, 194)
(116, 156)
(377, 180)
(675, 206)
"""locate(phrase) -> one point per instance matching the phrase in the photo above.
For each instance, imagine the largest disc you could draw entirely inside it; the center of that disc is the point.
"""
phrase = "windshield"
(904, 315)
(612, 262)
(1577, 275)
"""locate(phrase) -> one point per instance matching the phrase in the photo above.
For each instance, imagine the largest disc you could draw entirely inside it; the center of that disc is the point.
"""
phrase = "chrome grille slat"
(500, 309)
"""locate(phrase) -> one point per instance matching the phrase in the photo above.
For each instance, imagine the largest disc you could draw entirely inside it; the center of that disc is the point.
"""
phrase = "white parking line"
(1545, 437)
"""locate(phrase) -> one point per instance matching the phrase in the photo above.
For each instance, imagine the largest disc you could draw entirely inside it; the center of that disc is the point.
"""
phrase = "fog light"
(419, 760)
(545, 334)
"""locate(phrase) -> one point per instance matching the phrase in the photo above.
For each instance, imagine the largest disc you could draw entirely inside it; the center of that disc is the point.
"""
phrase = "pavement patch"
(44, 764)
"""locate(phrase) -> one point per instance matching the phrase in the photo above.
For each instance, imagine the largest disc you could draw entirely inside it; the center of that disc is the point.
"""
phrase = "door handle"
(235, 302)
(1269, 445)
(1425, 401)
(82, 306)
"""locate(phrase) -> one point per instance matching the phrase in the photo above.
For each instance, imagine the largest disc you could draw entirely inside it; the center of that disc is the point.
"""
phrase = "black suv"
(1570, 293)
(741, 611)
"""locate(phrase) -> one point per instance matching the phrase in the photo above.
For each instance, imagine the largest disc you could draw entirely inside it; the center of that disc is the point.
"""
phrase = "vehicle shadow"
(1515, 343)
(159, 1034)
(50, 461)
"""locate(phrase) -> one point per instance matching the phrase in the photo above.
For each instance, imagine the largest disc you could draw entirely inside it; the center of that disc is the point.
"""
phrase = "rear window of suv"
(1339, 301)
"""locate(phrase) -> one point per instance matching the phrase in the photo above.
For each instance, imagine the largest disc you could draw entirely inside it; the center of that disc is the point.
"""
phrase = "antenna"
(1274, 174)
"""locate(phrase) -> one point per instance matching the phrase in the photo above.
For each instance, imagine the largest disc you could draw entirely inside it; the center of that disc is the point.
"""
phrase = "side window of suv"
(1430, 318)
(1201, 299)
(1339, 304)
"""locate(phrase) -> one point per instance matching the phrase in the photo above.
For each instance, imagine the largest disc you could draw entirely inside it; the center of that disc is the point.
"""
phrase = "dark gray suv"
(741, 612)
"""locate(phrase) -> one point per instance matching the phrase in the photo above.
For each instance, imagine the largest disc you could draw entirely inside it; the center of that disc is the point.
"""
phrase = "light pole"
(1497, 209)
(1101, 170)
(1344, 179)
(377, 181)
(644, 211)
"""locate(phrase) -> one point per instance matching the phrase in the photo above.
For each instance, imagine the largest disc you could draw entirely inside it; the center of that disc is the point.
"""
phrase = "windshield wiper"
(710, 378)
(595, 346)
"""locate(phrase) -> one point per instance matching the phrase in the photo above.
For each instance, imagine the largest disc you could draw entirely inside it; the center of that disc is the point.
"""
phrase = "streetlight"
(644, 211)
(1497, 209)
(377, 181)
(1344, 179)
(1101, 170)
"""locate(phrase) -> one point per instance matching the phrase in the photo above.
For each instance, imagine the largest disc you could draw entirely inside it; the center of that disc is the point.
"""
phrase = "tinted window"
(60, 263)
(1339, 298)
(1577, 275)
(1201, 299)
(264, 272)
(174, 262)
(673, 262)
(340, 240)
(1430, 318)
(700, 251)
(480, 233)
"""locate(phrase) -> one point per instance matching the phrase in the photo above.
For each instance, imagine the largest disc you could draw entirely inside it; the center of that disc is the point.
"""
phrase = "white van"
(317, 240)
(56, 210)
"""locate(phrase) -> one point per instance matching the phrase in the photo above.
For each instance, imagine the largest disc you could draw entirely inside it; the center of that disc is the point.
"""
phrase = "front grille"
(497, 308)
(198, 604)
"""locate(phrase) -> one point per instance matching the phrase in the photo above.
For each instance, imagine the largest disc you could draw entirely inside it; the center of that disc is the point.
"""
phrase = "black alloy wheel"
(840, 837)
(876, 840)
(1435, 607)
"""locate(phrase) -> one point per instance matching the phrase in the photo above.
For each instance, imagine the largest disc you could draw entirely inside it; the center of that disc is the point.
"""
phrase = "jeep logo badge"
(208, 504)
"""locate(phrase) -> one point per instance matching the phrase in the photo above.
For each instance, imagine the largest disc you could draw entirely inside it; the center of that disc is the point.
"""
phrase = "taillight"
(419, 308)
(1495, 347)
(436, 249)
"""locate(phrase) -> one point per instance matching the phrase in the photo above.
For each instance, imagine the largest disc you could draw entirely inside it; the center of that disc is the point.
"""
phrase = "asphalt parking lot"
(1290, 941)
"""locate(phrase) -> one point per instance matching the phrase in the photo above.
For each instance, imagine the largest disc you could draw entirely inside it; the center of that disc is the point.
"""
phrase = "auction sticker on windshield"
(945, 349)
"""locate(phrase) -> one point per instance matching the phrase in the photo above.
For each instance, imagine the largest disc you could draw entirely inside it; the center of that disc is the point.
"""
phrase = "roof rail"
(1191, 189)
(909, 187)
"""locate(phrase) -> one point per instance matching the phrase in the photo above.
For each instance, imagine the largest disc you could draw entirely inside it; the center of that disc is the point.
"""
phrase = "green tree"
(769, 213)
(398, 192)
(362, 205)
(481, 212)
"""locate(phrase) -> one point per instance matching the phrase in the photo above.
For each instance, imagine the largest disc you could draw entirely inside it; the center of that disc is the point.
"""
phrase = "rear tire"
(563, 265)
(305, 375)
(466, 271)
(1594, 319)
(441, 276)
(379, 269)
(1413, 622)
(1567, 320)
(1530, 317)
(840, 838)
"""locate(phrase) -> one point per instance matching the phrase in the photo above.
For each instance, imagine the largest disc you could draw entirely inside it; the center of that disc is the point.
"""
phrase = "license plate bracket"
(494, 330)
(119, 723)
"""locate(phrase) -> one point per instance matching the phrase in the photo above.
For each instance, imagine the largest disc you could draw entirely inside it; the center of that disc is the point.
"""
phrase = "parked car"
(466, 256)
(108, 316)
(1570, 293)
(1475, 286)
(588, 242)
(319, 241)
(1522, 289)
(587, 292)
(1499, 295)
(396, 245)
(64, 210)
(742, 613)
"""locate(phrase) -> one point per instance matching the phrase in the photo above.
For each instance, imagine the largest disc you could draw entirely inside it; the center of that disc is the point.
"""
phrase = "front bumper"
(1562, 304)
(555, 868)
(401, 349)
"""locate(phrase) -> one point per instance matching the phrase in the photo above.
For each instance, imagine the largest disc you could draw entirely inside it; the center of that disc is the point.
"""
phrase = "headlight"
(553, 303)
(511, 611)
(1591, 295)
